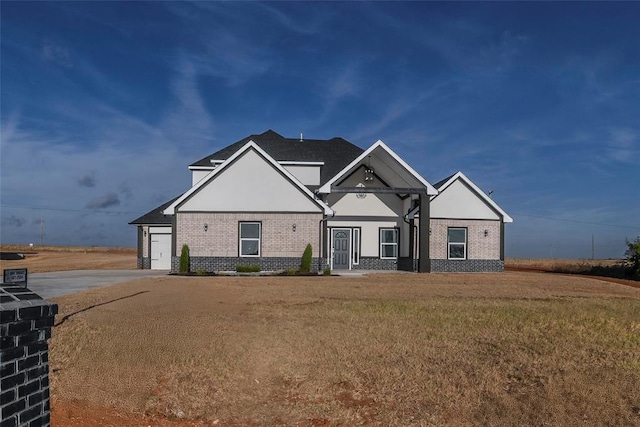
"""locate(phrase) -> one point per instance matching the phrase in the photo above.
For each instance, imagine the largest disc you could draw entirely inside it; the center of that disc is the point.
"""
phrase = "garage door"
(161, 251)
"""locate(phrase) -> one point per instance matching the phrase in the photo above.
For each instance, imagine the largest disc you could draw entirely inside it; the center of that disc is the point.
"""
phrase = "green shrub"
(184, 259)
(632, 258)
(327, 271)
(201, 272)
(305, 264)
(247, 268)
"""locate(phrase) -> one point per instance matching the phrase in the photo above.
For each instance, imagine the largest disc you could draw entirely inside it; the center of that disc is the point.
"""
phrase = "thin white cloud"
(624, 145)
(55, 52)
(187, 122)
(503, 53)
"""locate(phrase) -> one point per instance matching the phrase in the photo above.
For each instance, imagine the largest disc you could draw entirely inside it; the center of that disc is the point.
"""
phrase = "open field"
(42, 259)
(517, 348)
(552, 264)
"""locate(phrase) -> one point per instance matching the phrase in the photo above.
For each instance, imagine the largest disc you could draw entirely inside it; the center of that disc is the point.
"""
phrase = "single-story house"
(261, 200)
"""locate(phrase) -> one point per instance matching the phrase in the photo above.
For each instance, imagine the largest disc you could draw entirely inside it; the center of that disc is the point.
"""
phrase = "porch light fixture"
(206, 226)
(145, 233)
(293, 227)
(368, 172)
(486, 233)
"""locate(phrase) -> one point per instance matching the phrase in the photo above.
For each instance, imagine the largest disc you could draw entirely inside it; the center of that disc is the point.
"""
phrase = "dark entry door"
(340, 249)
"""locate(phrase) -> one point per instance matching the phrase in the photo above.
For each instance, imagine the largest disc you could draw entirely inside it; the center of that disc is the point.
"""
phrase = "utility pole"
(593, 247)
(41, 231)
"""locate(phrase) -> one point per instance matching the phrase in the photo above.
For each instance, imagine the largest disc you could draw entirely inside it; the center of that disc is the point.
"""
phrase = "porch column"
(424, 262)
(412, 243)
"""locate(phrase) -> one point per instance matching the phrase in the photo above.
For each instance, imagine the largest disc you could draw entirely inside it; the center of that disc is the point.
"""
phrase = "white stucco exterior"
(306, 174)
(369, 234)
(250, 184)
(199, 174)
(460, 202)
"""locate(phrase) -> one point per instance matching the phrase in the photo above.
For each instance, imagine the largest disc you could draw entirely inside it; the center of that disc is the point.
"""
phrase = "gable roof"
(250, 145)
(442, 186)
(379, 145)
(335, 153)
(156, 216)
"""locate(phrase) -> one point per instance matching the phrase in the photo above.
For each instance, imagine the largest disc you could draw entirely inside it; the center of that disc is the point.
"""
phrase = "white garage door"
(161, 251)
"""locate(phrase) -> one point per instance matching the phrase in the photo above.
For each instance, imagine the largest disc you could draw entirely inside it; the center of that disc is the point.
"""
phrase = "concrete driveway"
(55, 284)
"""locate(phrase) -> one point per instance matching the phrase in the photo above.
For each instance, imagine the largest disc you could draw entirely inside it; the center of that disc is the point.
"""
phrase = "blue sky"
(104, 104)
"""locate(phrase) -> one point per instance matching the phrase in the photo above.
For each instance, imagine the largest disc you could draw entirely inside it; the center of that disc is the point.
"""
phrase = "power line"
(43, 208)
(579, 222)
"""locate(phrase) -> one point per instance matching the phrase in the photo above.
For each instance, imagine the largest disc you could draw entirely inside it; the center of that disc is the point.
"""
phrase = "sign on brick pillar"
(25, 326)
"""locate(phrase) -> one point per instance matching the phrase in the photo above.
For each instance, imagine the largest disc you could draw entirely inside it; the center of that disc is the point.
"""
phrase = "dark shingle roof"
(438, 184)
(155, 216)
(336, 153)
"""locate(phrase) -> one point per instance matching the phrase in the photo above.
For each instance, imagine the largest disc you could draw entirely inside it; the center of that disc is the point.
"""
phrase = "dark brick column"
(424, 263)
(26, 321)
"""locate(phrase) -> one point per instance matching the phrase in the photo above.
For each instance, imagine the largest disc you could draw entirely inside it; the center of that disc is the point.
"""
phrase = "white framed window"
(250, 234)
(457, 241)
(389, 243)
(356, 246)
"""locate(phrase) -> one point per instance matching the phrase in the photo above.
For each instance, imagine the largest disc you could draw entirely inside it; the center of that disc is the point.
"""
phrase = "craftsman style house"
(261, 200)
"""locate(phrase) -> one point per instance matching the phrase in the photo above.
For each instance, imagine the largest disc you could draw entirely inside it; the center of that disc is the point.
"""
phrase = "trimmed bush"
(184, 259)
(305, 264)
(248, 268)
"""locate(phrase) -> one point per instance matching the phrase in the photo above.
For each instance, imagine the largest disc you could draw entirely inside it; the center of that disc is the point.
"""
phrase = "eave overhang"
(397, 173)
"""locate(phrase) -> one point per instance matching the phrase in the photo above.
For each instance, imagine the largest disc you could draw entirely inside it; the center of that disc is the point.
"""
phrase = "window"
(457, 240)
(356, 246)
(250, 239)
(388, 243)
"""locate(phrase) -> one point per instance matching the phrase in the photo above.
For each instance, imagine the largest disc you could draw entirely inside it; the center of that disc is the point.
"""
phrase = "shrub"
(247, 268)
(632, 258)
(201, 272)
(305, 264)
(184, 259)
(327, 271)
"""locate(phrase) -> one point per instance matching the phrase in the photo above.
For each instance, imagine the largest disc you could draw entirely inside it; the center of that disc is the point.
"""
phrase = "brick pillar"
(26, 321)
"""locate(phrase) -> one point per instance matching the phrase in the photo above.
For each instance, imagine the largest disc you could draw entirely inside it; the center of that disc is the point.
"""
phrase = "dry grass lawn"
(517, 348)
(42, 259)
(553, 264)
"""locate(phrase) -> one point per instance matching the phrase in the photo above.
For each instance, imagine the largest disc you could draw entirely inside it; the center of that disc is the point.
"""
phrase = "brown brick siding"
(221, 237)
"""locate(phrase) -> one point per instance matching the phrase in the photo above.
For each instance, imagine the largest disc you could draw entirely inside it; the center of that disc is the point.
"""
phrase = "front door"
(340, 249)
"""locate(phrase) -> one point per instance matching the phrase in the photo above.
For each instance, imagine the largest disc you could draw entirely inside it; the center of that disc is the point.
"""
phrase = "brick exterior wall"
(279, 240)
(375, 263)
(144, 263)
(479, 247)
(467, 266)
(25, 327)
(216, 264)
